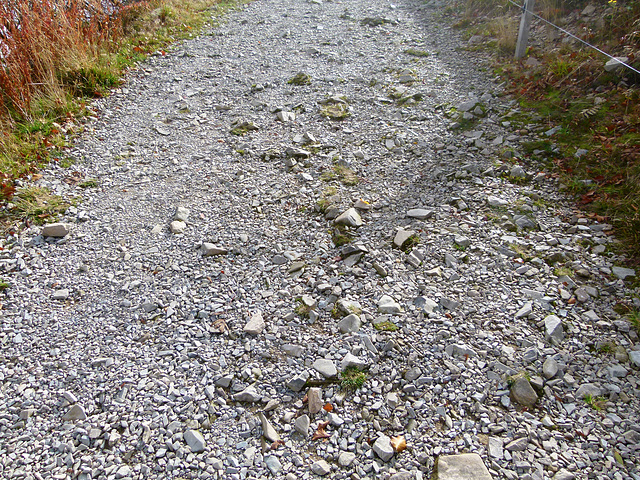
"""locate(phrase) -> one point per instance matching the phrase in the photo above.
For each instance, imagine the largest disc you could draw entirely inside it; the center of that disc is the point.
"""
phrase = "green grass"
(563, 271)
(300, 78)
(634, 319)
(386, 326)
(36, 204)
(4, 285)
(353, 378)
(414, 52)
(336, 111)
(596, 403)
(341, 236)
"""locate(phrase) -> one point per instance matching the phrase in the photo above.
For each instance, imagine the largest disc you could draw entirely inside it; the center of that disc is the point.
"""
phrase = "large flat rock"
(466, 466)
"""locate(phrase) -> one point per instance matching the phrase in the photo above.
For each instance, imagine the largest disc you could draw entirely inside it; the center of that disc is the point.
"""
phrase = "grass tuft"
(36, 204)
(353, 378)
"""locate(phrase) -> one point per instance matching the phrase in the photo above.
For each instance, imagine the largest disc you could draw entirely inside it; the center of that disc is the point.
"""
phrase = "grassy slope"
(596, 152)
(44, 91)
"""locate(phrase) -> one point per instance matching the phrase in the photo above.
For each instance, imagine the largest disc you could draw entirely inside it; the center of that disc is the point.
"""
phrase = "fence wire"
(524, 9)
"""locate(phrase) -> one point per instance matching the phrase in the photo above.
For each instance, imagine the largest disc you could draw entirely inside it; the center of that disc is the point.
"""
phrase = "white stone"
(388, 305)
(195, 440)
(350, 218)
(209, 249)
(553, 330)
(57, 230)
(177, 227)
(255, 325)
(382, 447)
(326, 367)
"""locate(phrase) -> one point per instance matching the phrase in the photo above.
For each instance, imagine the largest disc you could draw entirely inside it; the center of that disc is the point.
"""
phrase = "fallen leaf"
(398, 443)
(320, 433)
(276, 444)
(328, 407)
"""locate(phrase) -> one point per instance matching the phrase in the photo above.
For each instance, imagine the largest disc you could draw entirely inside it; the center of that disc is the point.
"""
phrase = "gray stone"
(296, 152)
(553, 330)
(420, 213)
(615, 64)
(494, 448)
(325, 367)
(301, 425)
(255, 325)
(467, 106)
(425, 304)
(298, 382)
(634, 357)
(563, 474)
(195, 440)
(550, 368)
(273, 464)
(349, 324)
(523, 393)
(460, 350)
(286, 116)
(466, 466)
(249, 394)
(622, 273)
(268, 431)
(588, 389)
(525, 311)
(209, 249)
(321, 467)
(61, 294)
(402, 236)
(382, 447)
(292, 350)
(388, 305)
(496, 201)
(462, 241)
(314, 400)
(517, 445)
(351, 360)
(345, 459)
(182, 214)
(56, 230)
(177, 227)
(75, 413)
(350, 218)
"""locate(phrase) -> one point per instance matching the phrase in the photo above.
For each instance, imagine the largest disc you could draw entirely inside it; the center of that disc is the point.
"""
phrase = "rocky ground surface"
(248, 248)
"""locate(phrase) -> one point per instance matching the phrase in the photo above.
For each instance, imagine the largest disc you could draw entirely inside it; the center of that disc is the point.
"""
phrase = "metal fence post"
(525, 23)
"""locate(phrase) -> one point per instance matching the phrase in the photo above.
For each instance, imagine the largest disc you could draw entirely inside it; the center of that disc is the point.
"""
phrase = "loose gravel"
(305, 238)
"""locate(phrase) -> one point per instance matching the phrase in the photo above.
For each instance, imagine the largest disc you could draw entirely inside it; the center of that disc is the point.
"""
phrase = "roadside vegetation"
(56, 55)
(595, 150)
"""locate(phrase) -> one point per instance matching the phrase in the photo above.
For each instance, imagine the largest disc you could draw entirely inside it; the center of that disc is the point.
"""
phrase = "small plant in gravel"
(346, 175)
(386, 326)
(563, 271)
(36, 204)
(410, 243)
(301, 309)
(596, 403)
(336, 111)
(414, 52)
(89, 183)
(4, 285)
(340, 236)
(634, 319)
(353, 378)
(300, 78)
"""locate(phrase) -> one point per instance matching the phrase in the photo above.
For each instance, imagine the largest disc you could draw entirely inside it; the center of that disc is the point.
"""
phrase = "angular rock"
(296, 152)
(255, 325)
(298, 382)
(420, 213)
(634, 357)
(182, 214)
(345, 459)
(402, 236)
(350, 218)
(286, 116)
(325, 367)
(623, 273)
(268, 431)
(195, 440)
(496, 201)
(56, 230)
(209, 249)
(466, 466)
(301, 425)
(523, 393)
(349, 324)
(273, 464)
(61, 294)
(494, 448)
(550, 368)
(553, 330)
(249, 394)
(383, 449)
(588, 389)
(321, 467)
(351, 360)
(615, 63)
(177, 227)
(75, 413)
(314, 400)
(388, 305)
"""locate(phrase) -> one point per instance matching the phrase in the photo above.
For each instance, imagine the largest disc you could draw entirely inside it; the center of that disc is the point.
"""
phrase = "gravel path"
(197, 319)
